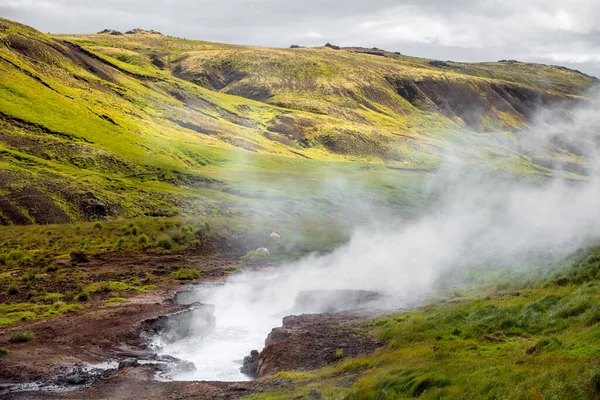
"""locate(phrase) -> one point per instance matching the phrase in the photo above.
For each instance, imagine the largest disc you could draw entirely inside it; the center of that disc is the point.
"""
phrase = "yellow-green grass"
(539, 339)
(11, 313)
(98, 114)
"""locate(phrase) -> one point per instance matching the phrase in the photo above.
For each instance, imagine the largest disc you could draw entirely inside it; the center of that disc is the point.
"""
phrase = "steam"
(478, 218)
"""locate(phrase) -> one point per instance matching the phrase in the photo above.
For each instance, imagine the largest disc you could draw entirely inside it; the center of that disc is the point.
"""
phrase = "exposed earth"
(119, 333)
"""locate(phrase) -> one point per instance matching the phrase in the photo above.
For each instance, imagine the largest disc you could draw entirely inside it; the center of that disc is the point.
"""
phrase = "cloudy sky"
(549, 31)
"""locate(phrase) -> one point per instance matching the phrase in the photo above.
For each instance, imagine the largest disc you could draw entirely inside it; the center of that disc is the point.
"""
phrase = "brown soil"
(311, 341)
(104, 332)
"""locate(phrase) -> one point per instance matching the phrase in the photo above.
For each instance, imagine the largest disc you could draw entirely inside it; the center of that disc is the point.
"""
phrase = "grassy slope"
(524, 337)
(99, 125)
(95, 126)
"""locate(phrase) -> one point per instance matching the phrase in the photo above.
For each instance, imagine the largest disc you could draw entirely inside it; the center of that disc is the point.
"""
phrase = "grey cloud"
(552, 32)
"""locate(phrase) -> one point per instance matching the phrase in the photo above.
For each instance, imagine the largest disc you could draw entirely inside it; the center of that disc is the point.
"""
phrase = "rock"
(110, 32)
(314, 394)
(327, 301)
(199, 320)
(274, 235)
(277, 335)
(79, 257)
(249, 366)
(138, 31)
(264, 251)
(129, 362)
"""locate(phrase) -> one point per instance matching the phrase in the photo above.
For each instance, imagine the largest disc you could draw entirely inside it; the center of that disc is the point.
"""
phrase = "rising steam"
(477, 219)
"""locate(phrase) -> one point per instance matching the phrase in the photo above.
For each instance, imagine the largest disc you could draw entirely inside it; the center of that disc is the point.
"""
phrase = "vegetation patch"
(186, 274)
(20, 337)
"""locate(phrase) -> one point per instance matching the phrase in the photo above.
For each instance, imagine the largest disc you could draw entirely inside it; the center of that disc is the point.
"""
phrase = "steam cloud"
(477, 219)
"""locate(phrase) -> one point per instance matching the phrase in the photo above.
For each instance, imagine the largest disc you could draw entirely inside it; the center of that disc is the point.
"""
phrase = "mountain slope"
(97, 126)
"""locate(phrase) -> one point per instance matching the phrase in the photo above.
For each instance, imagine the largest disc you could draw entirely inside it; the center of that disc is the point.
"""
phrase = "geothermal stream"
(246, 309)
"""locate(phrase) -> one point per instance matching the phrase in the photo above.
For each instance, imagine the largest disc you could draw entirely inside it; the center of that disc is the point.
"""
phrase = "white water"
(243, 322)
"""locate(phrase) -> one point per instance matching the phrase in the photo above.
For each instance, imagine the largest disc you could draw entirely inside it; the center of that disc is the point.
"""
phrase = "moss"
(82, 296)
(186, 274)
(165, 244)
(20, 337)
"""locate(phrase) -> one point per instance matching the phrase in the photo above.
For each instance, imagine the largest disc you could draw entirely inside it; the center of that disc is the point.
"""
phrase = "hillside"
(141, 124)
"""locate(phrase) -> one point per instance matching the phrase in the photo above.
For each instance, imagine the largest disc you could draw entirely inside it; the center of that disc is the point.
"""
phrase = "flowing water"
(244, 317)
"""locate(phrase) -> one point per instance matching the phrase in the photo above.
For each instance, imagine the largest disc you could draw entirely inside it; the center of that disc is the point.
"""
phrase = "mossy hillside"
(535, 338)
(100, 126)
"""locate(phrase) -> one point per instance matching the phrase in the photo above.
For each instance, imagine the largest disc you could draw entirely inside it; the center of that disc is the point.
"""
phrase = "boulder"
(274, 235)
(326, 301)
(249, 366)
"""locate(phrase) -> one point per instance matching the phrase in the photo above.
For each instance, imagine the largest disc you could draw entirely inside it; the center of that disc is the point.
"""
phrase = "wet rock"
(199, 320)
(169, 366)
(129, 362)
(328, 301)
(249, 366)
(82, 376)
(79, 257)
(277, 335)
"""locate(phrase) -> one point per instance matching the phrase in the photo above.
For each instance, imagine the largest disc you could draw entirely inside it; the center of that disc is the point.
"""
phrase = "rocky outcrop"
(196, 321)
(312, 341)
(327, 301)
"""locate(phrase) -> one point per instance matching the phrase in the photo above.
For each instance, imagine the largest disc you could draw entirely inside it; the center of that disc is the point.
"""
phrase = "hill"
(142, 124)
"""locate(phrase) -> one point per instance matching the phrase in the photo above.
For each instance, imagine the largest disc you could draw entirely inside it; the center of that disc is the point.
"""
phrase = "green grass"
(20, 337)
(186, 274)
(542, 341)
(139, 139)
(15, 312)
(116, 300)
(4, 352)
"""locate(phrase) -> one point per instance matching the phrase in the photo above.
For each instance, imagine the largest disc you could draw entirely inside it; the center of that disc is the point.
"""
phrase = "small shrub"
(83, 296)
(98, 226)
(594, 385)
(20, 337)
(12, 290)
(51, 268)
(176, 238)
(165, 244)
(120, 242)
(186, 274)
(135, 230)
(15, 255)
(144, 239)
(232, 269)
(3, 259)
(53, 296)
(4, 352)
(28, 276)
(185, 230)
(339, 353)
(109, 286)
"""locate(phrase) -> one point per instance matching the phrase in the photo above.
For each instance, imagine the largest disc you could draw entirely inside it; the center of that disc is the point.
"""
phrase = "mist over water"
(478, 219)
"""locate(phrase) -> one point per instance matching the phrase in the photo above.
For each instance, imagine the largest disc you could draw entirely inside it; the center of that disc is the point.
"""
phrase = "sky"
(547, 31)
